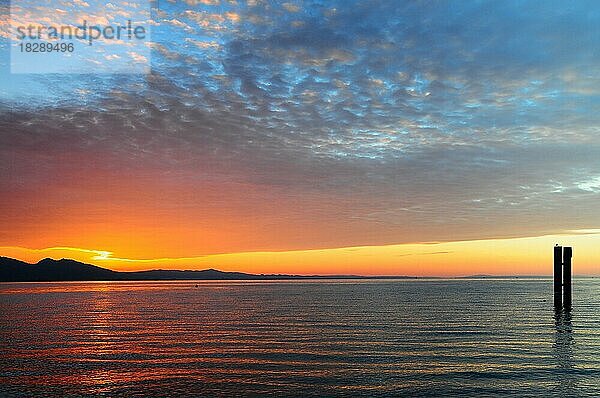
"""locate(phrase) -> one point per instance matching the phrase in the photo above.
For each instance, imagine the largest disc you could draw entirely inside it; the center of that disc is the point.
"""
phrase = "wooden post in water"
(567, 290)
(558, 276)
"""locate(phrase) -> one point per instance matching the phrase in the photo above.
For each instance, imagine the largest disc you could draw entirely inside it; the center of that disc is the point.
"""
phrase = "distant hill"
(12, 270)
(49, 270)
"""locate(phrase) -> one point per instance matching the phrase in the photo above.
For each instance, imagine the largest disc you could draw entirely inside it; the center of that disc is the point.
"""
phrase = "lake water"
(299, 338)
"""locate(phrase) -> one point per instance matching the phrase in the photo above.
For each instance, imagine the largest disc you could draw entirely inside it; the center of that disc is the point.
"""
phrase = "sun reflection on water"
(391, 337)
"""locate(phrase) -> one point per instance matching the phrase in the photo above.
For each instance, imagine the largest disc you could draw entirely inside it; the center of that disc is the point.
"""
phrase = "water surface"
(299, 338)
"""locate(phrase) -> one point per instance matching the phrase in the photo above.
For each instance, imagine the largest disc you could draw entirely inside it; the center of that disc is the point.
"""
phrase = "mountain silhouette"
(50, 270)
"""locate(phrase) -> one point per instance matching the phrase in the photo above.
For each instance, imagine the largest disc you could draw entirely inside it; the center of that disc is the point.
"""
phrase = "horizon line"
(323, 276)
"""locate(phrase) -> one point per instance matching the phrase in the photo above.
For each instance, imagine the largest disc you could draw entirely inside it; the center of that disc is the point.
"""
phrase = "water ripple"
(300, 338)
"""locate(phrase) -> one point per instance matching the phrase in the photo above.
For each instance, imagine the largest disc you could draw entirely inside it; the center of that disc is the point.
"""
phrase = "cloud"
(137, 57)
(291, 7)
(362, 122)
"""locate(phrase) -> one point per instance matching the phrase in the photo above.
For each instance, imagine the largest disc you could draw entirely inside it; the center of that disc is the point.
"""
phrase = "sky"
(365, 137)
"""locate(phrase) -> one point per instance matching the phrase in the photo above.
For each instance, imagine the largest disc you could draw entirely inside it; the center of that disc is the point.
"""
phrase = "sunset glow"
(519, 256)
(322, 137)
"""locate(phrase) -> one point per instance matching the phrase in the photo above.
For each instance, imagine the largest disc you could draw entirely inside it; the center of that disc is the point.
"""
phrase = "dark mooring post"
(567, 290)
(558, 276)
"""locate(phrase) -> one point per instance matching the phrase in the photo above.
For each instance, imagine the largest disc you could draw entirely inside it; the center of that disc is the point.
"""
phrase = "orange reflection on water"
(299, 338)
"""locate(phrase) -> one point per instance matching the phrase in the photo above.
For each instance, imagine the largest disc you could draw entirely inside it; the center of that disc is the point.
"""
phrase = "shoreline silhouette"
(50, 270)
(65, 270)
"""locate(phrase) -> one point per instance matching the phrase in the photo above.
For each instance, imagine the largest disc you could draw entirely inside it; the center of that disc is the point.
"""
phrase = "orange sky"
(179, 219)
(278, 140)
(114, 220)
(518, 256)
